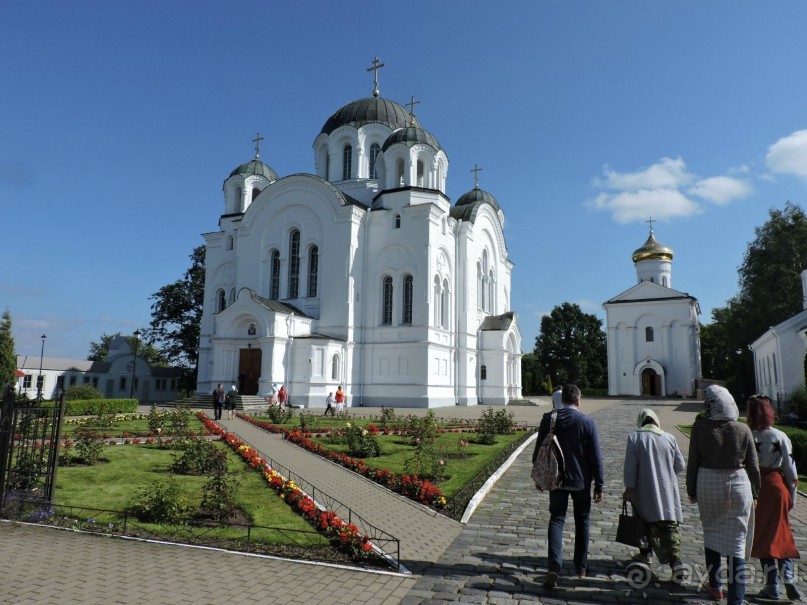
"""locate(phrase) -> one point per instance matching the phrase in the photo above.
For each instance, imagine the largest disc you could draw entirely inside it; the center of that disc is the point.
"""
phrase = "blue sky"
(120, 121)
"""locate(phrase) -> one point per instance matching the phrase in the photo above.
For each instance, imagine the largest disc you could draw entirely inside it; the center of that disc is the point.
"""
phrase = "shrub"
(493, 423)
(88, 445)
(179, 422)
(82, 391)
(361, 442)
(306, 420)
(798, 401)
(162, 502)
(220, 492)
(422, 430)
(425, 462)
(387, 417)
(198, 458)
(91, 407)
(156, 419)
(279, 415)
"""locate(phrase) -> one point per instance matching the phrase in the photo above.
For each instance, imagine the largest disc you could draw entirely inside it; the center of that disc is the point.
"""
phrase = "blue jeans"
(558, 503)
(735, 576)
(772, 567)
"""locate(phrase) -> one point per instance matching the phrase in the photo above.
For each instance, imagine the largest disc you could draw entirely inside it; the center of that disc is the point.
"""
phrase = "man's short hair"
(570, 394)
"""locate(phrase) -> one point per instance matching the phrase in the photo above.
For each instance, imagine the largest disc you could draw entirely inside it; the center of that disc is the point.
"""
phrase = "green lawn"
(133, 426)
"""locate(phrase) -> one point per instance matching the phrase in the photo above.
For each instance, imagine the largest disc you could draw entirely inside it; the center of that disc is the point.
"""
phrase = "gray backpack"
(547, 471)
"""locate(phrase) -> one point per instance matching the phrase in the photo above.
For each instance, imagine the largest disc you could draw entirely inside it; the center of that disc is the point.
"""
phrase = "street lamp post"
(39, 381)
(134, 361)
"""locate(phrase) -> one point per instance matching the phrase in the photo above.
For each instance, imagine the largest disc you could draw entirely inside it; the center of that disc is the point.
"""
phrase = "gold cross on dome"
(476, 170)
(650, 221)
(377, 64)
(257, 140)
(411, 106)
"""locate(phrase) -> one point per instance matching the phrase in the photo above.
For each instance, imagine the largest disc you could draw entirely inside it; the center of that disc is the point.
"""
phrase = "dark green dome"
(255, 167)
(477, 195)
(411, 135)
(369, 111)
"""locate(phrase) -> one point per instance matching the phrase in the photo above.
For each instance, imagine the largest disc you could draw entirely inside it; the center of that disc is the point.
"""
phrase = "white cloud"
(788, 155)
(662, 204)
(667, 173)
(721, 189)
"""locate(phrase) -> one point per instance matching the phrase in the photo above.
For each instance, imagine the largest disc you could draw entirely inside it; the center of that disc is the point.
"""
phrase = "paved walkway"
(499, 557)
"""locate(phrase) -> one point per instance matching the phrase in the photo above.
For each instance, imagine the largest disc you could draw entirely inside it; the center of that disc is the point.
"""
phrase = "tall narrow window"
(491, 292)
(400, 172)
(347, 163)
(420, 174)
(444, 305)
(327, 166)
(436, 302)
(407, 299)
(483, 373)
(397, 221)
(374, 149)
(313, 263)
(229, 242)
(386, 317)
(274, 286)
(648, 334)
(335, 367)
(222, 301)
(255, 192)
(232, 295)
(294, 263)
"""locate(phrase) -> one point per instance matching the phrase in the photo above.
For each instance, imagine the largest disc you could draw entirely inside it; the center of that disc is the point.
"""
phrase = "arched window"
(335, 367)
(229, 242)
(480, 296)
(648, 334)
(386, 315)
(436, 301)
(347, 163)
(294, 263)
(483, 373)
(274, 284)
(232, 295)
(664, 281)
(255, 192)
(238, 196)
(420, 173)
(374, 150)
(408, 286)
(444, 305)
(400, 171)
(327, 166)
(313, 263)
(485, 282)
(397, 221)
(222, 301)
(491, 293)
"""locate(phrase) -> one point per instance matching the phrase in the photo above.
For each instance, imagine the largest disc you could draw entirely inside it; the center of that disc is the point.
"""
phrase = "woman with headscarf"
(652, 461)
(773, 538)
(723, 478)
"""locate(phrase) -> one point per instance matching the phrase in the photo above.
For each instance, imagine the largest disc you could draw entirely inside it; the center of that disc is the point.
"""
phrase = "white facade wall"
(779, 358)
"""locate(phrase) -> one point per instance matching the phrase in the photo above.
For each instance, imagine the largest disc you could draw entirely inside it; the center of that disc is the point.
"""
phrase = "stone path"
(499, 557)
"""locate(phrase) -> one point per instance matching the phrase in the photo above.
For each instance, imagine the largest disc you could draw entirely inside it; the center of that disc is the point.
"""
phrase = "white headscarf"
(720, 404)
(650, 427)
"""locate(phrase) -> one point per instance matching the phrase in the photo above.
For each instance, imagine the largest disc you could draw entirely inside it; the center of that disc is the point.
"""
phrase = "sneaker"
(715, 593)
(582, 573)
(768, 593)
(551, 579)
(792, 592)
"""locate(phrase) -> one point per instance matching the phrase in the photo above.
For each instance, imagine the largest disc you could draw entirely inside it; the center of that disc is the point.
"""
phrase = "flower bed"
(344, 536)
(410, 486)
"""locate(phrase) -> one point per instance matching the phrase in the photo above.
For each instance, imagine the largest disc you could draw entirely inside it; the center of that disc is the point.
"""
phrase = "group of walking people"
(742, 477)
(224, 400)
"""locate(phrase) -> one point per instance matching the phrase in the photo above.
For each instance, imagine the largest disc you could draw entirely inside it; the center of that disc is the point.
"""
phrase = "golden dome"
(652, 250)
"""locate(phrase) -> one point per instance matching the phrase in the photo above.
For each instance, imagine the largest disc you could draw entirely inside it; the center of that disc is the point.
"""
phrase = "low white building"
(653, 331)
(113, 377)
(361, 274)
(779, 354)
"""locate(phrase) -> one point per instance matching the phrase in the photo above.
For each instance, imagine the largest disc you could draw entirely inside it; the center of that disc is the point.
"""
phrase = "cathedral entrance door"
(249, 370)
(651, 382)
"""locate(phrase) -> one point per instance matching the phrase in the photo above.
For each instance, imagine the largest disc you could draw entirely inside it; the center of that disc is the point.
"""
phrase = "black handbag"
(632, 529)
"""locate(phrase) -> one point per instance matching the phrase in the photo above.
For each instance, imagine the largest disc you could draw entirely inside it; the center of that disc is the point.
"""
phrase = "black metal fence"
(29, 448)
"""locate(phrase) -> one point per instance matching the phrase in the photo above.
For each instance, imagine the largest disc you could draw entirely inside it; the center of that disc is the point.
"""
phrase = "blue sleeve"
(595, 459)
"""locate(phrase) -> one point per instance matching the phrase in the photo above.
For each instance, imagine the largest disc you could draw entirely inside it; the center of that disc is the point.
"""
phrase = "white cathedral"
(653, 331)
(362, 275)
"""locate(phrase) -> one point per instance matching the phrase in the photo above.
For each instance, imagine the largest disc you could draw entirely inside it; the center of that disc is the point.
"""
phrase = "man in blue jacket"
(578, 438)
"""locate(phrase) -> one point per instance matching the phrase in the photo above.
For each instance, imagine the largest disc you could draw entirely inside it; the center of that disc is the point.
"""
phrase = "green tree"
(532, 375)
(571, 347)
(177, 316)
(99, 351)
(8, 359)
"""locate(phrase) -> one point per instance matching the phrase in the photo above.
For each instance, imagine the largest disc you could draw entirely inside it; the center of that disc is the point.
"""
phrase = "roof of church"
(498, 323)
(368, 111)
(652, 250)
(477, 195)
(255, 167)
(468, 205)
(277, 306)
(411, 135)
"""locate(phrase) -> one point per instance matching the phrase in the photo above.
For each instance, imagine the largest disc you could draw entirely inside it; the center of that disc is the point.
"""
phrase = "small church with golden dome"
(362, 274)
(653, 331)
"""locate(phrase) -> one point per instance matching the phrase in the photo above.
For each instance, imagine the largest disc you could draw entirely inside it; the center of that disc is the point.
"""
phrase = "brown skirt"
(773, 538)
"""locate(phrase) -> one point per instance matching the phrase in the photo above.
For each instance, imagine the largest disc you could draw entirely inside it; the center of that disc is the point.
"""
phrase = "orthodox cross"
(650, 221)
(476, 170)
(411, 106)
(377, 64)
(257, 140)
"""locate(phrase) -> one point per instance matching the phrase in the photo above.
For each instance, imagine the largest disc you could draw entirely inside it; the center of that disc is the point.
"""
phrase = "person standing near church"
(329, 405)
(282, 396)
(232, 395)
(340, 399)
(218, 402)
(580, 443)
(557, 404)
